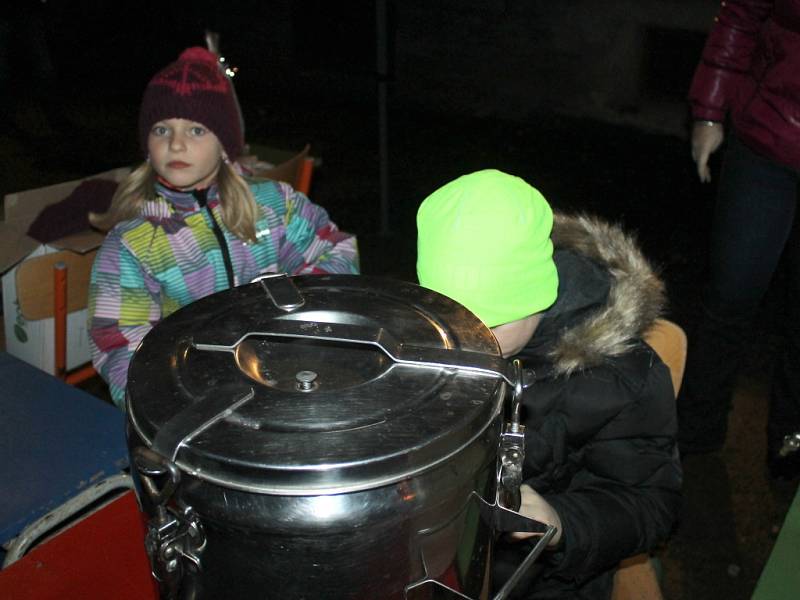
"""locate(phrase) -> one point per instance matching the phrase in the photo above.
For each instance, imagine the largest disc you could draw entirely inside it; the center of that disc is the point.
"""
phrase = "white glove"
(707, 136)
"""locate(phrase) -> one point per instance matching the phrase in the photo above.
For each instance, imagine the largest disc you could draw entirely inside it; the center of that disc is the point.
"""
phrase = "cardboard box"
(30, 337)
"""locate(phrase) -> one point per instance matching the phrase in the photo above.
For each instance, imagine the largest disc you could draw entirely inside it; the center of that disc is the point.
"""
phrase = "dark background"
(584, 99)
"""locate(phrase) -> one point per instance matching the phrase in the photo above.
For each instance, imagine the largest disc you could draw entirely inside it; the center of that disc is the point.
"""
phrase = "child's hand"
(535, 507)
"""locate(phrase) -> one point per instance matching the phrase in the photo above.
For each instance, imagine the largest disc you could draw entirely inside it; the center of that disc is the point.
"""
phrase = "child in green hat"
(571, 297)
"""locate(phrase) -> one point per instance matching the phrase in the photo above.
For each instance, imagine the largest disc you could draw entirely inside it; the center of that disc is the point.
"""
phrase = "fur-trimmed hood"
(589, 328)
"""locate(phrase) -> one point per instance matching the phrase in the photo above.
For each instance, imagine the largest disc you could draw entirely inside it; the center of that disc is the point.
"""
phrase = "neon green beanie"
(484, 241)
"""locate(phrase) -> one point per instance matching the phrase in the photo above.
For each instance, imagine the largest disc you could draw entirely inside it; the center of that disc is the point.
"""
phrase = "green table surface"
(780, 579)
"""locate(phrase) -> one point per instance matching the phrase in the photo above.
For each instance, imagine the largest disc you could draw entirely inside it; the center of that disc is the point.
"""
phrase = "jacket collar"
(608, 296)
(184, 201)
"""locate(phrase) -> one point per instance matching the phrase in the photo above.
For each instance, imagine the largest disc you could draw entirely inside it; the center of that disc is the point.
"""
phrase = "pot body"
(376, 543)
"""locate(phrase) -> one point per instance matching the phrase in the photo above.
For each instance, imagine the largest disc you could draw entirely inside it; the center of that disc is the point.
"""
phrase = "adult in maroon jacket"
(748, 81)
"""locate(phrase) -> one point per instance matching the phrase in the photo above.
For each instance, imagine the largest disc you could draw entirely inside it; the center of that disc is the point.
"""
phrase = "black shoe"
(783, 457)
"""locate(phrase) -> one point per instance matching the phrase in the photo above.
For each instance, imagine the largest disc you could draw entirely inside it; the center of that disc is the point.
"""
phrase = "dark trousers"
(753, 227)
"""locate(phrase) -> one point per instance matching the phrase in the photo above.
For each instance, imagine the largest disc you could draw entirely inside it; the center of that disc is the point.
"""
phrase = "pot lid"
(315, 384)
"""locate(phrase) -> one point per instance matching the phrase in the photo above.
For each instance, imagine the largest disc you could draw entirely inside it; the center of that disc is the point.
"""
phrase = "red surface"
(100, 557)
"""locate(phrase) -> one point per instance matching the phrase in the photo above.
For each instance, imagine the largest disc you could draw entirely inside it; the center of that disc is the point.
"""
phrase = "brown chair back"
(636, 579)
(669, 342)
(295, 171)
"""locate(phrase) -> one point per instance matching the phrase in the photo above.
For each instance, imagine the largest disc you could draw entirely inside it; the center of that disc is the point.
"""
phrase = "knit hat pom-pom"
(197, 53)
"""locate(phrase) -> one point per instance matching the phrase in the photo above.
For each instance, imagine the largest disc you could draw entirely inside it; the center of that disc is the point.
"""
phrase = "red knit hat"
(194, 88)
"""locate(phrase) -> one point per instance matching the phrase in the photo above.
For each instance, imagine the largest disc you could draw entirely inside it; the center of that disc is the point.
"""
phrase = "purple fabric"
(71, 215)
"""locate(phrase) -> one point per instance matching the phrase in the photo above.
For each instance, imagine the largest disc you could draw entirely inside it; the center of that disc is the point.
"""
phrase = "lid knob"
(305, 381)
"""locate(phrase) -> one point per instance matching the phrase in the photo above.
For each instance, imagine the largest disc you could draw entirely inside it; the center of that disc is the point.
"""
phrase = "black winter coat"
(600, 416)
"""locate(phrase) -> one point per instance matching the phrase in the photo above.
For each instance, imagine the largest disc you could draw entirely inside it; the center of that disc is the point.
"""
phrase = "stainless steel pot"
(335, 437)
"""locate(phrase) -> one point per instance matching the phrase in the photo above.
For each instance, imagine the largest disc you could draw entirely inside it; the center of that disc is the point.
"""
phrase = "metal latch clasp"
(175, 538)
(512, 447)
(179, 535)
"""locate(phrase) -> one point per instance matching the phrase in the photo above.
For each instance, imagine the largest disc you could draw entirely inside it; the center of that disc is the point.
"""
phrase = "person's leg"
(753, 217)
(784, 407)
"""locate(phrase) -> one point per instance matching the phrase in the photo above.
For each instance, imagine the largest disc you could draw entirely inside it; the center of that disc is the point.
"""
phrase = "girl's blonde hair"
(238, 207)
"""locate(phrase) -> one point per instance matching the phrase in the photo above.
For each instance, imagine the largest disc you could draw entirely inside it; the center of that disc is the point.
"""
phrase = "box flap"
(21, 208)
(26, 205)
(80, 242)
(14, 245)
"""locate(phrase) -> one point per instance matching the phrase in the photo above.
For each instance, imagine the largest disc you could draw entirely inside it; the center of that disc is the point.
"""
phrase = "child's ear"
(225, 158)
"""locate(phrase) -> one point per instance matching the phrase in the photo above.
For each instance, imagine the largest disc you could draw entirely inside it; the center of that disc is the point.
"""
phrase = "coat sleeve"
(727, 57)
(625, 496)
(312, 243)
(123, 306)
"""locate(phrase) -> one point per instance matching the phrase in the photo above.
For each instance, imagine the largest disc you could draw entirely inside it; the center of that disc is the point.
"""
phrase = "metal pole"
(382, 64)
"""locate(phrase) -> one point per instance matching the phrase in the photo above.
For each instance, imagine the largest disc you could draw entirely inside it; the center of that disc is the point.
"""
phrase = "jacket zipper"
(202, 200)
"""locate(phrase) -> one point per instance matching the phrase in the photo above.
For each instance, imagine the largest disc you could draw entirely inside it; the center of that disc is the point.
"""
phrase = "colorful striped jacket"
(150, 266)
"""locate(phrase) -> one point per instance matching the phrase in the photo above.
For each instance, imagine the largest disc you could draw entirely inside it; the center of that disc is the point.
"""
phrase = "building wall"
(625, 60)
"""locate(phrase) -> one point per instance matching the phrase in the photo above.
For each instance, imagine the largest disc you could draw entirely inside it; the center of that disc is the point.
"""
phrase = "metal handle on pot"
(225, 340)
(282, 292)
(503, 514)
(150, 464)
(441, 591)
(526, 564)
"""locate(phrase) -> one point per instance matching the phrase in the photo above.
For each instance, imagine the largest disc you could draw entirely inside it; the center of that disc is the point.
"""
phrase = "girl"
(185, 224)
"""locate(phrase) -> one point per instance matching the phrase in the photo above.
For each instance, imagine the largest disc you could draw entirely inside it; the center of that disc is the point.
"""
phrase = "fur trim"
(636, 298)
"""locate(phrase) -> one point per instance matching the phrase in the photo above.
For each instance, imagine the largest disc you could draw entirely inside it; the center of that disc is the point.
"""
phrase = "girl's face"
(185, 153)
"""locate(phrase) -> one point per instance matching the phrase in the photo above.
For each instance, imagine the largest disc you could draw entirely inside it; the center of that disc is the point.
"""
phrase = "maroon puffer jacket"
(751, 67)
